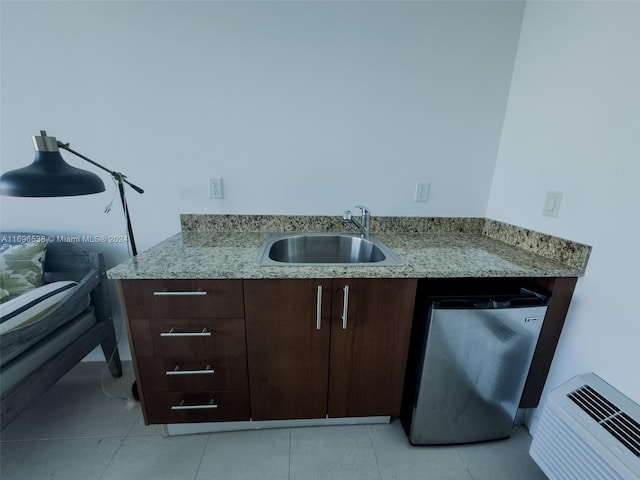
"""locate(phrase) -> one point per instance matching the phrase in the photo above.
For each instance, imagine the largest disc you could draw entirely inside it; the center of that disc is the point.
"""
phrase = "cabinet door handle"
(204, 406)
(319, 308)
(177, 371)
(345, 306)
(168, 293)
(173, 333)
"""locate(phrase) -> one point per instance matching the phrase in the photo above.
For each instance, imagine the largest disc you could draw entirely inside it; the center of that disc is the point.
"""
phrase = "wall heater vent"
(588, 430)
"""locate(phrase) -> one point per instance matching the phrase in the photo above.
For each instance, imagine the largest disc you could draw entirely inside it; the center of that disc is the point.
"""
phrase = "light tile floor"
(76, 432)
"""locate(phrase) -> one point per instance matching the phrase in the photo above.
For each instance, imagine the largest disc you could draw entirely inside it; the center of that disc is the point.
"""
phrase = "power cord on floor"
(131, 402)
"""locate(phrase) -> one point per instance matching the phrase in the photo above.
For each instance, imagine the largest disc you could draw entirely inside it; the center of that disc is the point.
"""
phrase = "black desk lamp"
(50, 176)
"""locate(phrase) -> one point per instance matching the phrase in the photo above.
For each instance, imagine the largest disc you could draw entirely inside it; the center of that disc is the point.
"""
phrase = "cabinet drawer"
(177, 338)
(183, 298)
(193, 374)
(197, 407)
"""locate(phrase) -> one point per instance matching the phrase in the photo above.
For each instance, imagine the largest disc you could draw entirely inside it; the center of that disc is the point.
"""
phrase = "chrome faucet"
(365, 220)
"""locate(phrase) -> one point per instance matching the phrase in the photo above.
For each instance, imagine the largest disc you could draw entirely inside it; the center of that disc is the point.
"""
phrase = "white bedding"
(32, 305)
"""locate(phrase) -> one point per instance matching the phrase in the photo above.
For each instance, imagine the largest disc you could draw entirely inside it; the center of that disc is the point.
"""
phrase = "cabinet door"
(369, 346)
(288, 347)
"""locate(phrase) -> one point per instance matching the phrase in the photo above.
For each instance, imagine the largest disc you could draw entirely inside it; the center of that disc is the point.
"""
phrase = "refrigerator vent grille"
(588, 430)
(615, 421)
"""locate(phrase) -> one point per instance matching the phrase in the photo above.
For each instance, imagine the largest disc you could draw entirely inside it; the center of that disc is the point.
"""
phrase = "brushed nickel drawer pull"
(205, 406)
(168, 293)
(177, 371)
(319, 308)
(173, 333)
(345, 306)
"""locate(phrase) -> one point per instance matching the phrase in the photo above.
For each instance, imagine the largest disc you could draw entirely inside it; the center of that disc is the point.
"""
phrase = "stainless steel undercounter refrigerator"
(473, 363)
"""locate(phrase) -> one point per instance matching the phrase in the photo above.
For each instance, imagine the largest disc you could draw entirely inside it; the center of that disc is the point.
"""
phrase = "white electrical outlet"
(422, 192)
(215, 187)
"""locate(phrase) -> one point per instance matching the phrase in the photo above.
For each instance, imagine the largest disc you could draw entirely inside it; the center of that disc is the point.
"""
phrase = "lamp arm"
(119, 178)
(116, 175)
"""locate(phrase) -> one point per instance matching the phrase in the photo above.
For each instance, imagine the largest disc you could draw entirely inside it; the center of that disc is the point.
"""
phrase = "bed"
(36, 350)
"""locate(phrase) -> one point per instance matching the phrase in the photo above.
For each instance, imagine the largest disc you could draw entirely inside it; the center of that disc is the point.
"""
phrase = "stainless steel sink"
(287, 249)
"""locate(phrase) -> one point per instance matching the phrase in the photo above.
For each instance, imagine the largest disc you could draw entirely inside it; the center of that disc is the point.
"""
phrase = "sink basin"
(324, 249)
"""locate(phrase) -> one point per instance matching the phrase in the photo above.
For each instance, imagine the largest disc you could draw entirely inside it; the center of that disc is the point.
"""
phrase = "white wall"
(573, 125)
(309, 108)
(302, 107)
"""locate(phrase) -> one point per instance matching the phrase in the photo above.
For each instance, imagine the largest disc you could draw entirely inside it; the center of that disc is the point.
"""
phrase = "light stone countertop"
(209, 253)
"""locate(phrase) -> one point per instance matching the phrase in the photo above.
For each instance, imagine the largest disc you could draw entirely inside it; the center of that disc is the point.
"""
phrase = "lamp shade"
(49, 175)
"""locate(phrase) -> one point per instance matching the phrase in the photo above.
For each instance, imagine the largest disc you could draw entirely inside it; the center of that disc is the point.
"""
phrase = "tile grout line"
(122, 440)
(290, 442)
(464, 463)
(23, 453)
(204, 450)
(373, 449)
(106, 467)
(134, 424)
(54, 439)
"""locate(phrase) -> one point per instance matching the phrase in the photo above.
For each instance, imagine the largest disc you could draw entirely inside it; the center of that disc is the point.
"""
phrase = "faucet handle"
(365, 210)
(365, 219)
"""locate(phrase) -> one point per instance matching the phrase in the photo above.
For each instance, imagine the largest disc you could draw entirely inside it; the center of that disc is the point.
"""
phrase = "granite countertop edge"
(225, 247)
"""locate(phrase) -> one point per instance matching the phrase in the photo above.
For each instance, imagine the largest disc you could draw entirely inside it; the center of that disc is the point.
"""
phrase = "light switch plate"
(552, 204)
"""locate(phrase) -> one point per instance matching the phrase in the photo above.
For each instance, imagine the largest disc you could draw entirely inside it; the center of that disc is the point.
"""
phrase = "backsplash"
(427, 224)
(316, 223)
(570, 253)
(567, 252)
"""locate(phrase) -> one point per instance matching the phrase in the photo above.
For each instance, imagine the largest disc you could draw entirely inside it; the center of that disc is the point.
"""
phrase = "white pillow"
(32, 305)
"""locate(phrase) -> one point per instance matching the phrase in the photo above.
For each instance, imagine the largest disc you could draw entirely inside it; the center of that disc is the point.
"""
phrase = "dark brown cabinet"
(369, 348)
(327, 347)
(188, 344)
(221, 350)
(288, 347)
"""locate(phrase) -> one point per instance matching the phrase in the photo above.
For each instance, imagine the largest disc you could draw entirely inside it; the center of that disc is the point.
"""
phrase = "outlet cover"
(422, 192)
(215, 187)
